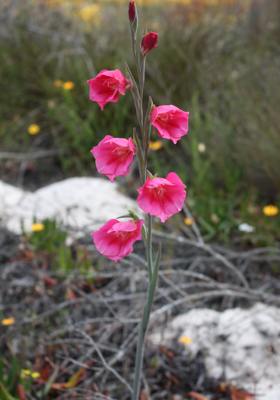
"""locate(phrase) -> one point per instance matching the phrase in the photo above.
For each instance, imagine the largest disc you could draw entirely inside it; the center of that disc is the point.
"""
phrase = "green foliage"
(49, 239)
(51, 243)
(9, 378)
(226, 74)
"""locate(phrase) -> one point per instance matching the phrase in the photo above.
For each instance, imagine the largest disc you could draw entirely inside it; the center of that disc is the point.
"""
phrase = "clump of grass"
(48, 241)
(9, 378)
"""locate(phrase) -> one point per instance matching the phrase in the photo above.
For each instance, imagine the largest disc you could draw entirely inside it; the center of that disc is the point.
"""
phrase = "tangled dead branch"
(88, 321)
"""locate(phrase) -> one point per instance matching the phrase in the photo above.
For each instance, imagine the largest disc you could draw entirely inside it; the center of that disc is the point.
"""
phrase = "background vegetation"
(218, 59)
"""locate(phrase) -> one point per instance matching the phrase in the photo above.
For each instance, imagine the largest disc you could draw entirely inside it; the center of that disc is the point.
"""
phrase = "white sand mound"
(79, 204)
(244, 345)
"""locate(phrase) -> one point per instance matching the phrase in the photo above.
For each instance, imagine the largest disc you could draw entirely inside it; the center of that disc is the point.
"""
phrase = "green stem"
(153, 277)
(142, 143)
(149, 247)
(142, 77)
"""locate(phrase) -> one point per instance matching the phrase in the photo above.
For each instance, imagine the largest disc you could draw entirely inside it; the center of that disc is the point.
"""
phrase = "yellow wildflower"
(33, 129)
(89, 12)
(25, 373)
(37, 227)
(155, 146)
(58, 83)
(186, 340)
(270, 210)
(188, 221)
(8, 321)
(35, 375)
(69, 85)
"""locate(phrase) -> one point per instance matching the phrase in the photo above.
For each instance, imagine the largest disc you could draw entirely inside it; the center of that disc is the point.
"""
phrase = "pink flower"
(113, 156)
(107, 87)
(149, 42)
(170, 122)
(115, 239)
(162, 197)
(131, 11)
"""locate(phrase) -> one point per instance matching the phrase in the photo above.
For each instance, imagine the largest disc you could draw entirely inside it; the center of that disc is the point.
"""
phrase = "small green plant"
(49, 239)
(47, 236)
(9, 378)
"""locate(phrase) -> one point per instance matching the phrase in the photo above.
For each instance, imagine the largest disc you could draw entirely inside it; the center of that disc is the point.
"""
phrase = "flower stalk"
(142, 145)
(157, 197)
(153, 278)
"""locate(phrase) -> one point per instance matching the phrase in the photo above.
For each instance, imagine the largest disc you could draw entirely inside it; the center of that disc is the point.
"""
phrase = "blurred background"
(219, 59)
(61, 304)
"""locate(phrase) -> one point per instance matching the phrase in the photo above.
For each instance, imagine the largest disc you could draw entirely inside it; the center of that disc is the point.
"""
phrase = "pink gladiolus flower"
(107, 87)
(149, 42)
(114, 156)
(170, 122)
(162, 197)
(115, 239)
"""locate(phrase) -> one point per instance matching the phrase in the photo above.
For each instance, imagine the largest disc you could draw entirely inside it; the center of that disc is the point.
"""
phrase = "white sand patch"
(244, 345)
(79, 204)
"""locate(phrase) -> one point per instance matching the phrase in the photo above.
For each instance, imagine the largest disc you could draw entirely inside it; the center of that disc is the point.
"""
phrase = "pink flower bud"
(149, 42)
(131, 11)
(115, 239)
(162, 197)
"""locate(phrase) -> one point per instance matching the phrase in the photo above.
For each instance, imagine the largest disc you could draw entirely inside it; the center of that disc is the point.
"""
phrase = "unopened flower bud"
(149, 42)
(131, 11)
